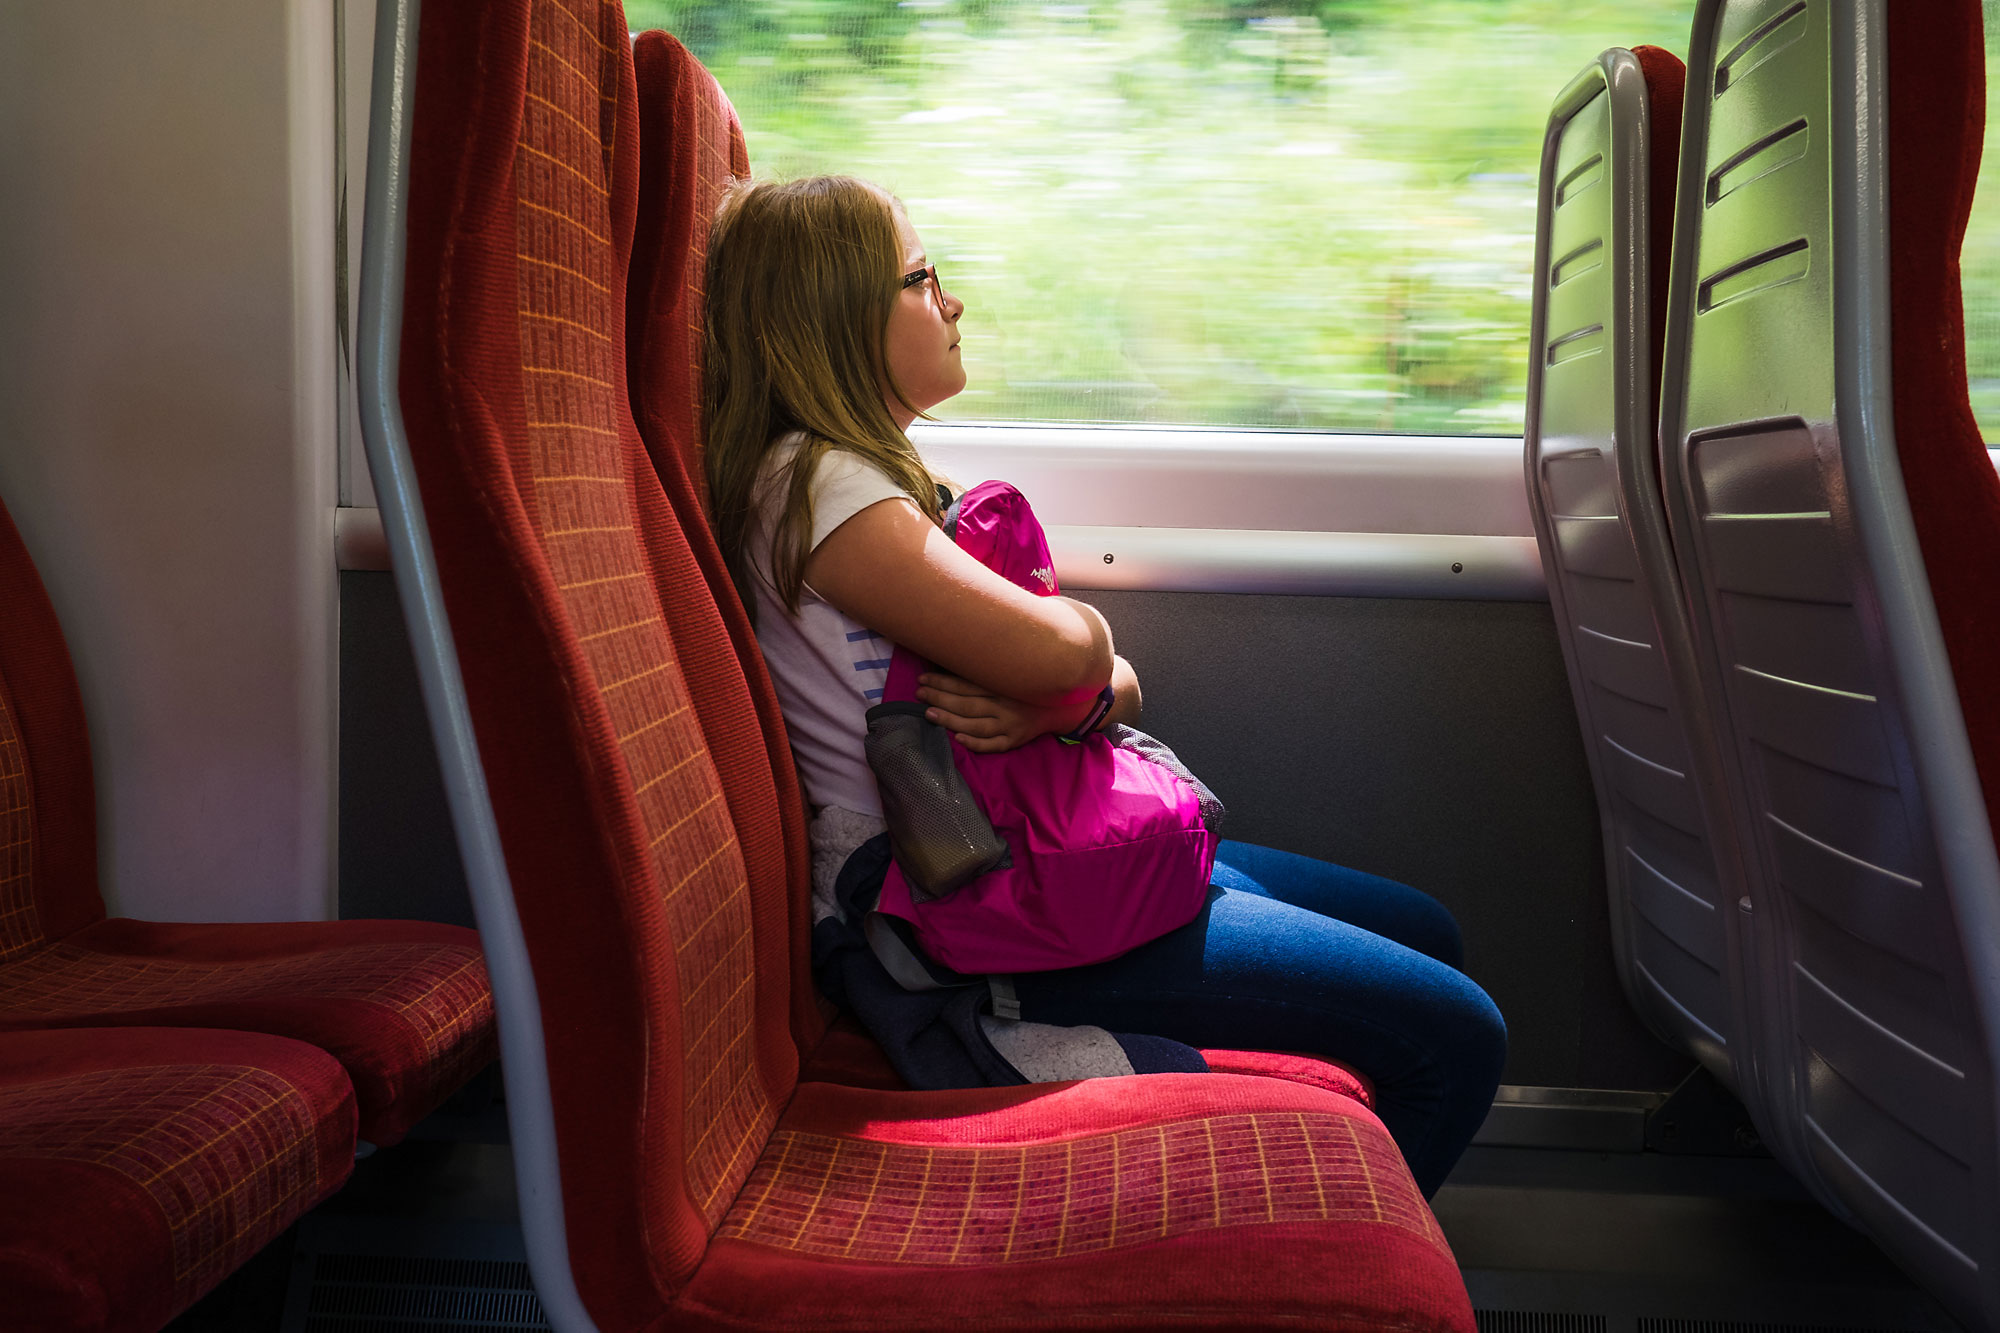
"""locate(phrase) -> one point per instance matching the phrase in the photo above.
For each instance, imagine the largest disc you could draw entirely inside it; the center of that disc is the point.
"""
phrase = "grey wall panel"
(1429, 741)
(397, 854)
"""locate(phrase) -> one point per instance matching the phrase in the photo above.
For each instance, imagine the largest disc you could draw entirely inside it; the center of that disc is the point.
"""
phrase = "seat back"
(690, 147)
(48, 806)
(641, 975)
(1851, 775)
(1603, 222)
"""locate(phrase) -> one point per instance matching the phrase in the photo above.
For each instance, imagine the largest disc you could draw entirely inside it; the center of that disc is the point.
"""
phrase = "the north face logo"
(1047, 576)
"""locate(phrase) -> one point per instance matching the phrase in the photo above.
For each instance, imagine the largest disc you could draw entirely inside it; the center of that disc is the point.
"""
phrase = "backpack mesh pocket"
(940, 837)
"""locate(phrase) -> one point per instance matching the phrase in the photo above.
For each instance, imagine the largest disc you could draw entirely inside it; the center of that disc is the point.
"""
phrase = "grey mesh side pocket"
(940, 837)
(1154, 749)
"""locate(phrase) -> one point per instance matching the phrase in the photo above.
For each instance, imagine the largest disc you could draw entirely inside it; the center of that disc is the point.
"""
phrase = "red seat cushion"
(48, 802)
(662, 965)
(1110, 1203)
(140, 1166)
(1312, 1070)
(403, 1005)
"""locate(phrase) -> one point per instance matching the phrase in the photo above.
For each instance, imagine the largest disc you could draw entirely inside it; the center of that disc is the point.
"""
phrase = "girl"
(829, 332)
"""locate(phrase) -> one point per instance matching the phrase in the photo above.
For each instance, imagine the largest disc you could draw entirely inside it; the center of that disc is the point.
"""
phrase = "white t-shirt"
(827, 668)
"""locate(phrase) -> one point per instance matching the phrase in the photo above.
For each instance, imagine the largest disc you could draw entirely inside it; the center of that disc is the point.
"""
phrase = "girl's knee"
(1456, 1021)
(1482, 1033)
(1434, 930)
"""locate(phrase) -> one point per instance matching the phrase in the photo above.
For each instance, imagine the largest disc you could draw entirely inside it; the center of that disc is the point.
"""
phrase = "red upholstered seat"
(1311, 1070)
(1185, 1201)
(701, 1184)
(140, 1166)
(690, 146)
(1937, 121)
(404, 1005)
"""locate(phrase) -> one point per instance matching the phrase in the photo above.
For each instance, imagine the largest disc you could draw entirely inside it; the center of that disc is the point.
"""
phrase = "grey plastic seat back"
(1847, 764)
(1594, 493)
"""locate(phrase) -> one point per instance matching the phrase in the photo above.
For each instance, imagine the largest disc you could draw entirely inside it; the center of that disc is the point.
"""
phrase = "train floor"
(426, 1238)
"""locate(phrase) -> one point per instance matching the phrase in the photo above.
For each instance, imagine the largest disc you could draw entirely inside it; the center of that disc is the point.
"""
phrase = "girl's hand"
(989, 723)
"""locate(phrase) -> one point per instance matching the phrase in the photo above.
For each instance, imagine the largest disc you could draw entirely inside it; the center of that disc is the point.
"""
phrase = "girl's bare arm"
(988, 723)
(893, 570)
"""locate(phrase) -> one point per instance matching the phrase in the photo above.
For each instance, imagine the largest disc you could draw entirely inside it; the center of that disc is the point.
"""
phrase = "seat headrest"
(691, 147)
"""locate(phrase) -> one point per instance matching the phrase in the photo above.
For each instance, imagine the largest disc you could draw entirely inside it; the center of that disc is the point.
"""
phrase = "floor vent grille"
(1739, 1326)
(354, 1293)
(1549, 1321)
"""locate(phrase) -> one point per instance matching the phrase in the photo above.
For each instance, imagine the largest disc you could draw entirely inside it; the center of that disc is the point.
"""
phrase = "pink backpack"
(1046, 856)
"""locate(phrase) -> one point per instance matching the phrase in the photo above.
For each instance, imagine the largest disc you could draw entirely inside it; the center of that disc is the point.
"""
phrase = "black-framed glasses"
(929, 271)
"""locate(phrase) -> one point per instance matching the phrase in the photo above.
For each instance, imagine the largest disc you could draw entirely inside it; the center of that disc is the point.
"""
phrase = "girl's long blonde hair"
(802, 276)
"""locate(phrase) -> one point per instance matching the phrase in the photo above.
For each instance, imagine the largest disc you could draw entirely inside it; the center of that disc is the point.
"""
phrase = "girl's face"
(921, 342)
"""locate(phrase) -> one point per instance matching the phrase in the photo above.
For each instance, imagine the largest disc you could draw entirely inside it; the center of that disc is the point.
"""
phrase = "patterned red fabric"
(50, 860)
(661, 967)
(982, 1205)
(1937, 120)
(1113, 1203)
(1311, 1070)
(405, 1006)
(1666, 90)
(662, 973)
(140, 1166)
(849, 1056)
(20, 919)
(581, 491)
(690, 145)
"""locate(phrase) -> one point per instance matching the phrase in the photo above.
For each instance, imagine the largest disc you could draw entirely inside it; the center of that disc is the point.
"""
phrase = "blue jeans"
(1296, 954)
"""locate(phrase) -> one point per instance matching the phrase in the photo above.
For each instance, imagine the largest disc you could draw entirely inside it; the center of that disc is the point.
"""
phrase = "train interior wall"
(1431, 741)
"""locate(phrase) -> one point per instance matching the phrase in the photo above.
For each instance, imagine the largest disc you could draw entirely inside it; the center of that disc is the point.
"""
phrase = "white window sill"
(1198, 510)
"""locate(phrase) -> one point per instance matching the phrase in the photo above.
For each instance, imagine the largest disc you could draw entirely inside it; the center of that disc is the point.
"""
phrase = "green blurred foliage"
(1273, 213)
(1980, 258)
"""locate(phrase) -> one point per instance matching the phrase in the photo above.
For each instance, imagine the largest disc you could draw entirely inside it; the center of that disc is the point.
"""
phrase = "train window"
(1980, 259)
(1274, 214)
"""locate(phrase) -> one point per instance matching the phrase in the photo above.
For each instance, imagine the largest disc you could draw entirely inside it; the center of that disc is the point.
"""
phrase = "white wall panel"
(167, 425)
